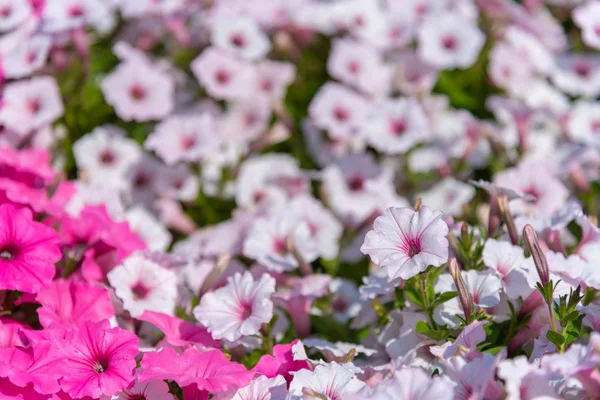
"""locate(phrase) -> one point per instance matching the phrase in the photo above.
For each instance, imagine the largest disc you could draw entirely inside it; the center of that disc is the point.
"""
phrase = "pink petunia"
(70, 303)
(98, 360)
(286, 358)
(210, 370)
(28, 251)
(179, 332)
(406, 242)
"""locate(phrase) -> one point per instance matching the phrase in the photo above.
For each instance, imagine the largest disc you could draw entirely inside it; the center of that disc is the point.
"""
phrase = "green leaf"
(444, 297)
(555, 338)
(422, 328)
(494, 350)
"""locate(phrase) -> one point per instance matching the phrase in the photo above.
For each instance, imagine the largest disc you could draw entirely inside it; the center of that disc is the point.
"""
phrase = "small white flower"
(331, 381)
(261, 388)
(238, 309)
(242, 37)
(449, 195)
(144, 285)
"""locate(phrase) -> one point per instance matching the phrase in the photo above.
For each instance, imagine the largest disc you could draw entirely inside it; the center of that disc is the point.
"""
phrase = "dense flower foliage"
(299, 199)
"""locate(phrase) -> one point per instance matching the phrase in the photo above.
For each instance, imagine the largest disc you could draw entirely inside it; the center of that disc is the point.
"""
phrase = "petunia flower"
(151, 390)
(142, 285)
(330, 381)
(286, 359)
(262, 388)
(15, 12)
(406, 242)
(506, 260)
(98, 360)
(139, 91)
(586, 16)
(210, 371)
(71, 303)
(241, 37)
(238, 309)
(449, 195)
(179, 332)
(28, 251)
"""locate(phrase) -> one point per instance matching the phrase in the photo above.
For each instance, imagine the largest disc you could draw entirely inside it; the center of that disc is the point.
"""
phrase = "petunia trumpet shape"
(405, 242)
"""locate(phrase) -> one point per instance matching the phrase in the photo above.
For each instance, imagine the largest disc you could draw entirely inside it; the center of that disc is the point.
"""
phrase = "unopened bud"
(308, 392)
(508, 219)
(494, 216)
(464, 296)
(533, 243)
(350, 356)
(214, 275)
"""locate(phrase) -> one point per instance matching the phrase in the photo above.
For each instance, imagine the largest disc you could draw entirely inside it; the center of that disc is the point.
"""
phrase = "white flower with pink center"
(268, 239)
(261, 388)
(273, 78)
(450, 41)
(328, 381)
(584, 122)
(139, 91)
(578, 74)
(222, 75)
(241, 36)
(449, 195)
(23, 54)
(506, 261)
(184, 138)
(30, 104)
(587, 17)
(338, 110)
(395, 126)
(144, 285)
(13, 13)
(238, 309)
(406, 242)
(484, 289)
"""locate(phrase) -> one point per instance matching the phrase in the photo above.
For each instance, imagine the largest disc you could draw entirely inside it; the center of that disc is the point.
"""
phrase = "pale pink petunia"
(525, 381)
(587, 17)
(24, 54)
(139, 91)
(484, 289)
(222, 75)
(209, 370)
(450, 41)
(238, 309)
(71, 303)
(409, 384)
(179, 332)
(330, 381)
(583, 124)
(241, 36)
(506, 260)
(31, 104)
(273, 78)
(151, 390)
(474, 379)
(578, 74)
(15, 12)
(261, 388)
(143, 284)
(269, 238)
(338, 110)
(395, 126)
(28, 251)
(406, 242)
(98, 360)
(187, 138)
(449, 195)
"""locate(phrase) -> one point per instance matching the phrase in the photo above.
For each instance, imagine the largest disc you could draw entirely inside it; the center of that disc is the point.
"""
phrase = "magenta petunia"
(70, 303)
(98, 360)
(28, 251)
(210, 371)
(179, 332)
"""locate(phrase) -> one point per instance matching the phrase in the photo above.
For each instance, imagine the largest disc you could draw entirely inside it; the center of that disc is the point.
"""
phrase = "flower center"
(339, 304)
(34, 106)
(107, 157)
(137, 92)
(5, 12)
(222, 76)
(449, 42)
(412, 247)
(582, 70)
(188, 142)
(353, 67)
(246, 310)
(279, 246)
(398, 126)
(238, 40)
(100, 366)
(341, 114)
(140, 291)
(9, 252)
(356, 183)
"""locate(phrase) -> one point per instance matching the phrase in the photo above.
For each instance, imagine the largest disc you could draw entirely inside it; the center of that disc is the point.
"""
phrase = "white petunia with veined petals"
(506, 261)
(143, 285)
(184, 138)
(330, 381)
(449, 195)
(268, 239)
(450, 41)
(30, 104)
(406, 242)
(394, 126)
(238, 309)
(261, 388)
(139, 91)
(13, 13)
(242, 37)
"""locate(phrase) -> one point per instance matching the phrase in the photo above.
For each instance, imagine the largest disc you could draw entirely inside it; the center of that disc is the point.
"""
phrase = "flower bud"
(464, 296)
(541, 265)
(508, 219)
(494, 216)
